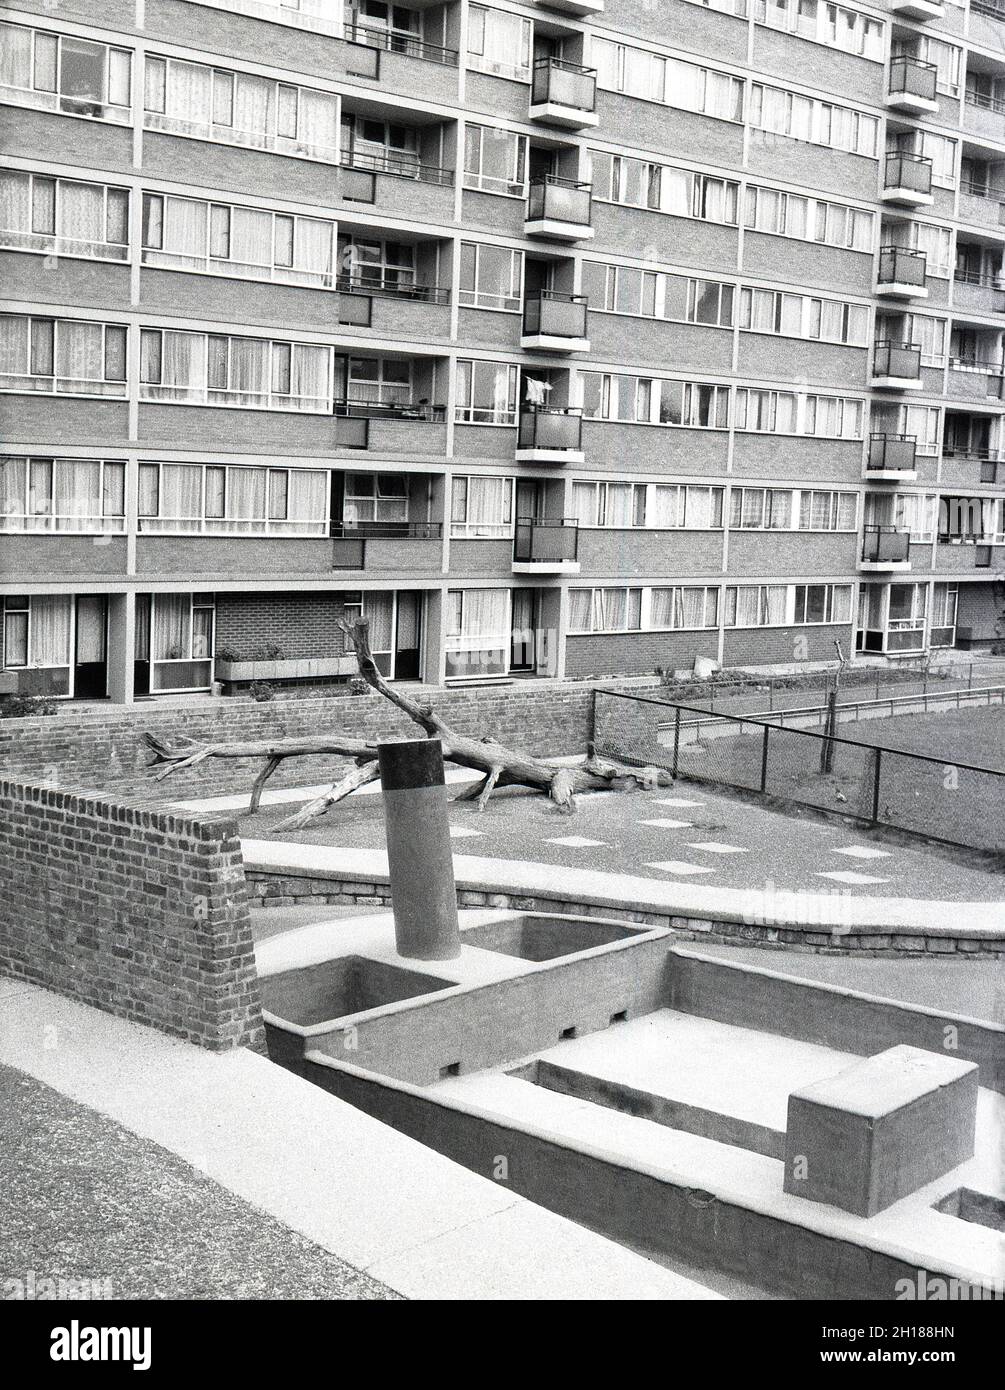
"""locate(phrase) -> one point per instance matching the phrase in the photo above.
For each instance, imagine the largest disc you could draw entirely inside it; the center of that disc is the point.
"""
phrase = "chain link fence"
(954, 802)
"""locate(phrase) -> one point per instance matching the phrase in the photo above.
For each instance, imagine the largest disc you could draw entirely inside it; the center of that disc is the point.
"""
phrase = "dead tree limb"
(498, 765)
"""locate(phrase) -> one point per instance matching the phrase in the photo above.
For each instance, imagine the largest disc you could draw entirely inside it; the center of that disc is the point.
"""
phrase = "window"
(251, 373)
(375, 499)
(499, 43)
(646, 400)
(663, 188)
(486, 393)
(376, 264)
(238, 108)
(389, 146)
(181, 641)
(835, 25)
(63, 217)
(639, 73)
(931, 335)
(57, 72)
(68, 357)
(833, 417)
(62, 495)
(817, 122)
(495, 160)
(379, 381)
(761, 508)
(916, 513)
(766, 412)
(686, 606)
(822, 603)
(481, 507)
(622, 289)
(945, 58)
(226, 239)
(935, 241)
(477, 632)
(36, 632)
(605, 610)
(491, 276)
(804, 316)
(924, 423)
(808, 219)
(217, 499)
(827, 511)
(756, 605)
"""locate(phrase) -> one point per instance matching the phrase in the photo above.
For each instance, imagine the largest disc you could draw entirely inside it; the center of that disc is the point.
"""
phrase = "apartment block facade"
(566, 339)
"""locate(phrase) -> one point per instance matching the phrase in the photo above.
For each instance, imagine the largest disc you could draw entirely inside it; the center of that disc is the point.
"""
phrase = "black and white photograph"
(502, 676)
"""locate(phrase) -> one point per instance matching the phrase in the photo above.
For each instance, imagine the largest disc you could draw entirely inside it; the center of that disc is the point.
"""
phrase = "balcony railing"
(399, 166)
(420, 411)
(555, 315)
(981, 188)
(977, 277)
(373, 284)
(564, 84)
(398, 42)
(899, 265)
(898, 360)
(986, 103)
(552, 199)
(388, 530)
(542, 427)
(892, 453)
(994, 8)
(910, 172)
(544, 542)
(885, 545)
(911, 77)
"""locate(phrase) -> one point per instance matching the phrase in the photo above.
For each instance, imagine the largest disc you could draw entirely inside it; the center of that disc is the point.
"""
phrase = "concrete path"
(383, 1203)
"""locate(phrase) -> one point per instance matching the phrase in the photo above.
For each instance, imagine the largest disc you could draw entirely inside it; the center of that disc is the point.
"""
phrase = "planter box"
(8, 682)
(287, 670)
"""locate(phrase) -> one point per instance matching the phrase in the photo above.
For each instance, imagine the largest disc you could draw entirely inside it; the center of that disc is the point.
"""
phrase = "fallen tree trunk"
(500, 766)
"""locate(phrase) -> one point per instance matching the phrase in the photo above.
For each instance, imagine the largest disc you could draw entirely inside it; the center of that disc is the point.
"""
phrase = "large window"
(818, 122)
(382, 381)
(499, 42)
(756, 605)
(63, 217)
(764, 411)
(225, 239)
(486, 393)
(239, 108)
(658, 506)
(804, 316)
(495, 160)
(481, 506)
(639, 73)
(477, 632)
(827, 511)
(623, 289)
(931, 238)
(217, 499)
(251, 373)
(67, 357)
(835, 25)
(37, 632)
(491, 276)
(663, 188)
(822, 603)
(62, 494)
(808, 219)
(654, 401)
(605, 610)
(375, 263)
(177, 638)
(683, 607)
(57, 72)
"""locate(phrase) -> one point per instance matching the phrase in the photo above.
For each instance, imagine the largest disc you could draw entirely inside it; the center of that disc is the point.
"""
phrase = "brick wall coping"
(83, 801)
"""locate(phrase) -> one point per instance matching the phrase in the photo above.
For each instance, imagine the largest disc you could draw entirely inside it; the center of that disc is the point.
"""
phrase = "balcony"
(984, 115)
(550, 436)
(554, 322)
(912, 86)
(918, 9)
(896, 367)
(979, 292)
(907, 179)
(973, 378)
(399, 166)
(398, 42)
(559, 209)
(563, 94)
(885, 548)
(545, 547)
(892, 458)
(384, 427)
(407, 547)
(373, 285)
(982, 203)
(901, 273)
(957, 554)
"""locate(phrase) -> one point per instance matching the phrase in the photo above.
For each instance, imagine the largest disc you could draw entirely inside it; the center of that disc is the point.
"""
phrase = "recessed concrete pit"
(339, 988)
(545, 938)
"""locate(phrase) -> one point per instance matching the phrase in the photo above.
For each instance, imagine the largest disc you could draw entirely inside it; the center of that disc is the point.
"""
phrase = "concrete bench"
(881, 1129)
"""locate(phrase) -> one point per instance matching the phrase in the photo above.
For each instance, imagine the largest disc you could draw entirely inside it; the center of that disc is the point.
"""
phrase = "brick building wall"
(304, 625)
(135, 911)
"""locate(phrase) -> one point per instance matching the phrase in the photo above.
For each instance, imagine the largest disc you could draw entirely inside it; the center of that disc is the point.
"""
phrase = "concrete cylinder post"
(423, 894)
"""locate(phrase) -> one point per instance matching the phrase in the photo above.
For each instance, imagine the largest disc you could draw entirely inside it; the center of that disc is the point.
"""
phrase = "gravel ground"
(84, 1199)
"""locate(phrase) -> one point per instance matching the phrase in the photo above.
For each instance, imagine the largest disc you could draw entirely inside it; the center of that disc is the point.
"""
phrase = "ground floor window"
(174, 642)
(477, 632)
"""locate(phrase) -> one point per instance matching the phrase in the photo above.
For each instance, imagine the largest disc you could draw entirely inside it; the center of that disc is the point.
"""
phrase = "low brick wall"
(133, 910)
(103, 748)
(288, 888)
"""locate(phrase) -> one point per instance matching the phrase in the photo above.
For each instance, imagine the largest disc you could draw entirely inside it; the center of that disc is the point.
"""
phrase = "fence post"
(875, 787)
(764, 758)
(970, 676)
(676, 740)
(591, 730)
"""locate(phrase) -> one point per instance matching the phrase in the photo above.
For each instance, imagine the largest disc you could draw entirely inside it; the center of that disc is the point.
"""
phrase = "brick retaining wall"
(133, 910)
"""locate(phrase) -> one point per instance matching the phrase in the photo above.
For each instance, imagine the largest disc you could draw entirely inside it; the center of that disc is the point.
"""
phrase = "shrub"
(25, 706)
(261, 690)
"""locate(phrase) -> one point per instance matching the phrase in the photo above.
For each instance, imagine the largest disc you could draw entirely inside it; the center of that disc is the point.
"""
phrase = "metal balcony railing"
(564, 84)
(361, 283)
(911, 77)
(554, 199)
(399, 166)
(388, 530)
(981, 188)
(892, 453)
(901, 360)
(908, 171)
(885, 545)
(542, 427)
(555, 315)
(398, 42)
(418, 411)
(977, 277)
(545, 542)
(986, 103)
(898, 265)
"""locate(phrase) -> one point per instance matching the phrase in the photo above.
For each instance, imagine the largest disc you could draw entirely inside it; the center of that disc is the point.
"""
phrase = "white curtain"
(309, 377)
(15, 202)
(50, 630)
(254, 102)
(249, 371)
(661, 611)
(15, 56)
(79, 353)
(172, 629)
(184, 234)
(699, 513)
(485, 618)
(619, 504)
(584, 503)
(180, 497)
(306, 504)
(487, 506)
(76, 494)
(13, 345)
(82, 212)
(773, 607)
(13, 493)
(317, 126)
(580, 608)
(663, 506)
(690, 608)
(313, 246)
(246, 488)
(378, 608)
(189, 95)
(251, 237)
(183, 366)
